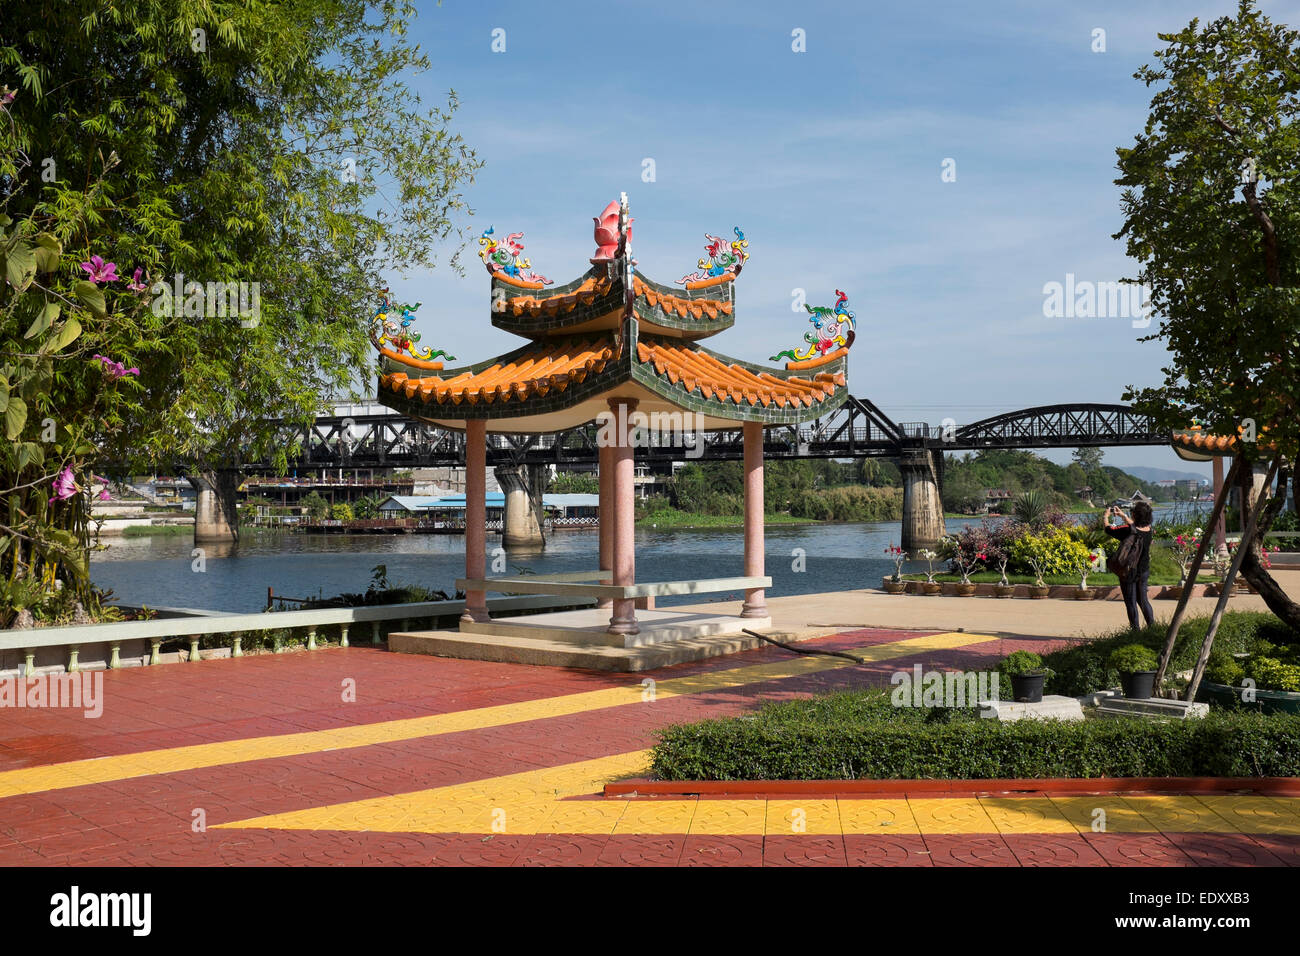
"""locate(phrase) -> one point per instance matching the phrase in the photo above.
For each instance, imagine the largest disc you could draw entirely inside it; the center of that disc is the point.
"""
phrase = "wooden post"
(1219, 500)
(1247, 537)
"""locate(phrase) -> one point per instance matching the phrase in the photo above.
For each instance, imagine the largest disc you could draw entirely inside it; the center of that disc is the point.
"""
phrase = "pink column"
(1220, 538)
(755, 598)
(606, 476)
(475, 517)
(623, 551)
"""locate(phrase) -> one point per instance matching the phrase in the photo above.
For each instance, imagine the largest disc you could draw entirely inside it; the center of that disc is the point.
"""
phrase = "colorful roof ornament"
(394, 335)
(724, 258)
(611, 332)
(606, 232)
(830, 337)
(502, 257)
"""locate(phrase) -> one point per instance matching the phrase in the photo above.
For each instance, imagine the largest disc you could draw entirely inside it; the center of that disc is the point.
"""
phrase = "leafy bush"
(1055, 551)
(1019, 663)
(859, 735)
(1270, 673)
(1223, 668)
(341, 511)
(1084, 667)
(1131, 658)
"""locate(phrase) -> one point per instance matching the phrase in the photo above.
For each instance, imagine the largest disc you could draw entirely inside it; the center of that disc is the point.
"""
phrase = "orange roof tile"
(676, 305)
(586, 293)
(696, 369)
(549, 366)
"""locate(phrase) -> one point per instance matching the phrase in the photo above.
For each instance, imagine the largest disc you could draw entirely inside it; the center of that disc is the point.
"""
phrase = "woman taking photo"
(1134, 583)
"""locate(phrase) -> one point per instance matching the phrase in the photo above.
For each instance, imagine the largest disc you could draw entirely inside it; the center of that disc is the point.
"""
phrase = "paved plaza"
(262, 760)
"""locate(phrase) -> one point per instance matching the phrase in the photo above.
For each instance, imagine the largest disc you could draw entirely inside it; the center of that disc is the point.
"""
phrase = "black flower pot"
(1138, 685)
(1027, 688)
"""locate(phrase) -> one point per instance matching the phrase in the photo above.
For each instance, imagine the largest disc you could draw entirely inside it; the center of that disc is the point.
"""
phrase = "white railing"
(28, 640)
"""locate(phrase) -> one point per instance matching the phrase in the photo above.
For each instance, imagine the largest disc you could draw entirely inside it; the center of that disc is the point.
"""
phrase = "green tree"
(314, 506)
(1089, 459)
(281, 144)
(1211, 214)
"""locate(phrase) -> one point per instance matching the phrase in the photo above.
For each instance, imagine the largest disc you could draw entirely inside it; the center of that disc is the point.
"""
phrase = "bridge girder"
(856, 429)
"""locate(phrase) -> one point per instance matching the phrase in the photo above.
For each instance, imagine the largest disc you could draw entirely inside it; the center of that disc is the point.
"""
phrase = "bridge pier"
(216, 516)
(923, 525)
(521, 531)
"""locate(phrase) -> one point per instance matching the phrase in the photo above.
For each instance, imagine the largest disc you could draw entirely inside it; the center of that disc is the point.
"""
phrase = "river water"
(160, 572)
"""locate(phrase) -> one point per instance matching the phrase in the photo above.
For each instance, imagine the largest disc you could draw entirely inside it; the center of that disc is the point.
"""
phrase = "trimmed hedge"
(859, 735)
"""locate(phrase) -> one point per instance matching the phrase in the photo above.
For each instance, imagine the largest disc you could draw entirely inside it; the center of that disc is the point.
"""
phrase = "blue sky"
(830, 160)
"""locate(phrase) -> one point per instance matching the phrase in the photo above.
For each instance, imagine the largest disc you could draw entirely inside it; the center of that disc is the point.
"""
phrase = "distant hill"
(1162, 474)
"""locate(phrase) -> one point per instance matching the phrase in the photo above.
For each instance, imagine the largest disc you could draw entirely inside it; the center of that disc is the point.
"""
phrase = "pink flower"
(115, 369)
(135, 285)
(104, 495)
(6, 96)
(100, 271)
(65, 486)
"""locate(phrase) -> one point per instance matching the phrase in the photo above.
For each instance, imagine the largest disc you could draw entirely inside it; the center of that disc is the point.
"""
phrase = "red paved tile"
(701, 850)
(960, 849)
(804, 850)
(868, 849)
(1052, 849)
(1133, 849)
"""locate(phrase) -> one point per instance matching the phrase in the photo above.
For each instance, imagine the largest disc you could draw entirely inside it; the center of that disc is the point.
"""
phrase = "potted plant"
(965, 565)
(1136, 664)
(930, 585)
(1004, 588)
(1091, 562)
(1184, 549)
(1039, 589)
(894, 583)
(1027, 673)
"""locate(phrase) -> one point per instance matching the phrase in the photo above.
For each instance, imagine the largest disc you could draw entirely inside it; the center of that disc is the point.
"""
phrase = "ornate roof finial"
(832, 328)
(503, 257)
(724, 258)
(611, 224)
(396, 333)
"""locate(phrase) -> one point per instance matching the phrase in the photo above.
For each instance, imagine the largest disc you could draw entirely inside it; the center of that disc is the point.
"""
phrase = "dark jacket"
(1144, 545)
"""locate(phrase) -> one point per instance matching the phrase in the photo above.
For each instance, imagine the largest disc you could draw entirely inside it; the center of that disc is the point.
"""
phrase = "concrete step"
(1153, 708)
(1051, 707)
(541, 651)
(588, 627)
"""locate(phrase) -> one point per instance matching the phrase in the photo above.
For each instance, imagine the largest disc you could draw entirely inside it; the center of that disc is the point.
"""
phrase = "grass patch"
(164, 530)
(672, 518)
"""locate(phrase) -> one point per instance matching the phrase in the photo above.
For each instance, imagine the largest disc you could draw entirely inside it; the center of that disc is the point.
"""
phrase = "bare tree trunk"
(1252, 511)
(1252, 563)
(1238, 467)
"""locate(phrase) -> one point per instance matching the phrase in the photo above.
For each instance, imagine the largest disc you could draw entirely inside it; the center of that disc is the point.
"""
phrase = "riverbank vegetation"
(968, 478)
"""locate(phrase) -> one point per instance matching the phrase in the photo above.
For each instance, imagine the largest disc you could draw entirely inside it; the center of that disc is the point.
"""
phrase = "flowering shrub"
(1051, 551)
(898, 556)
(1270, 673)
(966, 555)
(1185, 547)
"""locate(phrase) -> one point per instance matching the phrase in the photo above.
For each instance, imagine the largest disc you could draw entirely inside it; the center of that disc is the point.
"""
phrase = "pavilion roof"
(562, 377)
(612, 333)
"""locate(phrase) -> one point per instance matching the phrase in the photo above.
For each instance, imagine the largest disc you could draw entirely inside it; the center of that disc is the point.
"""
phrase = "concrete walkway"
(842, 610)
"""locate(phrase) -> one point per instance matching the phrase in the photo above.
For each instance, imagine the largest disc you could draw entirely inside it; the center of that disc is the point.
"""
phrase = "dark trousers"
(1135, 596)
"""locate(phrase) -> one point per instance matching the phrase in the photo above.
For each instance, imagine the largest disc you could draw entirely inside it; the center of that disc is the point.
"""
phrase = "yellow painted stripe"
(79, 773)
(536, 801)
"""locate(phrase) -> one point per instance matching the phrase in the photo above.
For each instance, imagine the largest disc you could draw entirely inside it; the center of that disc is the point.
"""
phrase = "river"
(160, 571)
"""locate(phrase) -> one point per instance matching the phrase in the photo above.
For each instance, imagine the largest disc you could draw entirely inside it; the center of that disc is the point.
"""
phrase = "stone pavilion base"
(579, 639)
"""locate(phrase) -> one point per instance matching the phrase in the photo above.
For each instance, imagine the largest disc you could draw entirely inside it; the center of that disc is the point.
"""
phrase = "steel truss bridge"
(857, 429)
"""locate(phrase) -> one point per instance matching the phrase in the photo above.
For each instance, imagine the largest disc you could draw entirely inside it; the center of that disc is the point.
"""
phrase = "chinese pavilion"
(616, 347)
